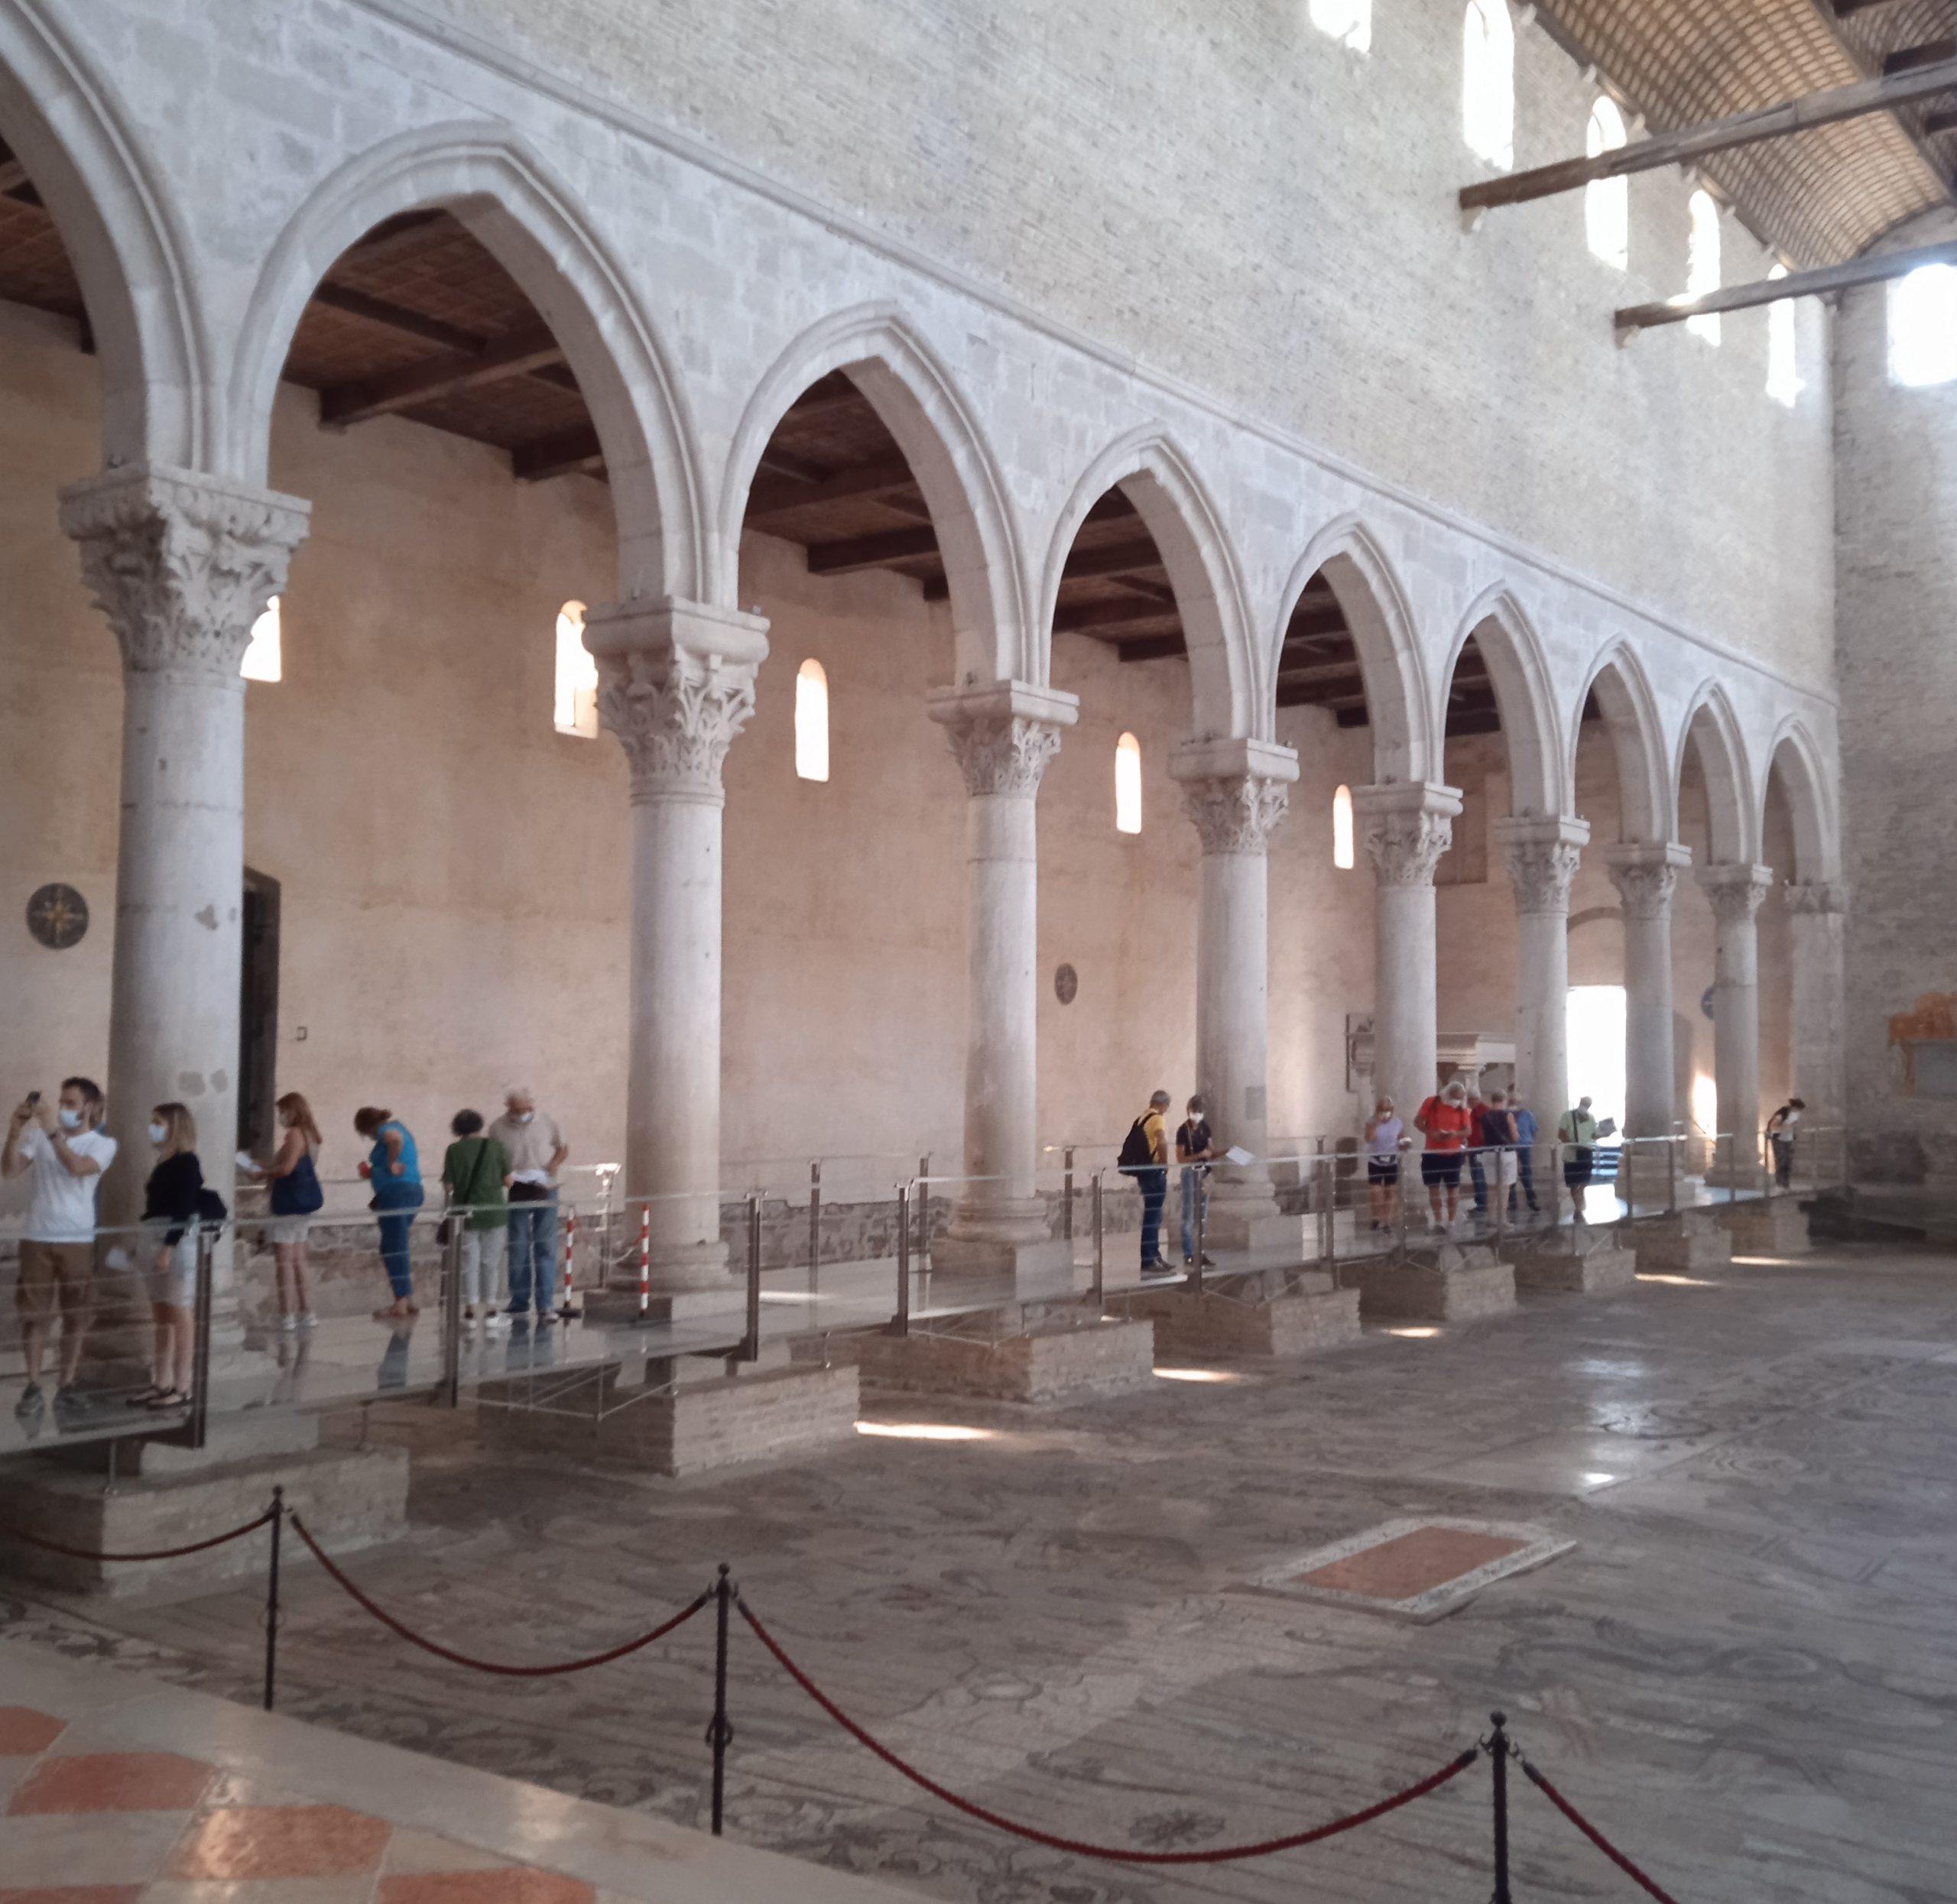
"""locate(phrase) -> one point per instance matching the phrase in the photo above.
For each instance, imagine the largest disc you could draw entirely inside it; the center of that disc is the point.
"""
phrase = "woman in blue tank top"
(394, 1168)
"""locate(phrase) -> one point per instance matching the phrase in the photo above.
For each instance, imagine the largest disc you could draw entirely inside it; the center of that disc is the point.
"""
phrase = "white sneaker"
(306, 1319)
(288, 1325)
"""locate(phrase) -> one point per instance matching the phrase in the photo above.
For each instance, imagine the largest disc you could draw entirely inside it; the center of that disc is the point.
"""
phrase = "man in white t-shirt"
(63, 1147)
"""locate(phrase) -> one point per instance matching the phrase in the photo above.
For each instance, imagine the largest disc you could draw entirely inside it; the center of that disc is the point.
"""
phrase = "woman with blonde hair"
(173, 1202)
(294, 1177)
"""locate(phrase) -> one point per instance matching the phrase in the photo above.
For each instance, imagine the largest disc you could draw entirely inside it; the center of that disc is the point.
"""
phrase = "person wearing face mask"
(1444, 1120)
(296, 1197)
(393, 1167)
(173, 1203)
(1577, 1133)
(536, 1148)
(63, 1147)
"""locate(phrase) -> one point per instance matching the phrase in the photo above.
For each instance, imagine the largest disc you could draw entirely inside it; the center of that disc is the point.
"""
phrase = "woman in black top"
(170, 1201)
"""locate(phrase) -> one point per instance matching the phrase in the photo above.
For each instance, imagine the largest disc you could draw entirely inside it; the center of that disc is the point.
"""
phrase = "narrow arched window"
(1488, 81)
(1783, 369)
(1922, 326)
(1341, 829)
(1350, 22)
(811, 721)
(1128, 785)
(264, 659)
(1607, 202)
(576, 710)
(1701, 276)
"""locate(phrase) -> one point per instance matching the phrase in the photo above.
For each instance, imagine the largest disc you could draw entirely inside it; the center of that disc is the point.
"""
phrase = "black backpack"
(1137, 1153)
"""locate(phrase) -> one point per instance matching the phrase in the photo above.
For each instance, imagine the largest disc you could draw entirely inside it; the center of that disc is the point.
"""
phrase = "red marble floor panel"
(113, 1781)
(484, 1887)
(24, 1732)
(1412, 1564)
(239, 1842)
(76, 1894)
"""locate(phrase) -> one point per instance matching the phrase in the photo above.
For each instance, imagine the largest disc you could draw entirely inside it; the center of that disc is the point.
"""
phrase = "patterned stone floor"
(1746, 1671)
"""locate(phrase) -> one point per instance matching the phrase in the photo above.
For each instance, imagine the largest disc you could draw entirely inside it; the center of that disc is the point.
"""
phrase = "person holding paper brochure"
(1578, 1132)
(1193, 1150)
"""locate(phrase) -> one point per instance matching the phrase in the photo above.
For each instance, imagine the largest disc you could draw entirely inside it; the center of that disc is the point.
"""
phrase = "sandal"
(168, 1398)
(143, 1397)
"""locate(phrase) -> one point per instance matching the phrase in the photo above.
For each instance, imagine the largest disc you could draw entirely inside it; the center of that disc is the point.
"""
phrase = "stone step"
(1090, 1357)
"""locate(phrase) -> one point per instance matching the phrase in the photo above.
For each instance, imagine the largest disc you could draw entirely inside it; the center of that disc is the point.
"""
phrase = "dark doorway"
(258, 1014)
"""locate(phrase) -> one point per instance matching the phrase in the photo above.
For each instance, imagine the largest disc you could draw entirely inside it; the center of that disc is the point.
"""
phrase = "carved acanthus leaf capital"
(1405, 848)
(1003, 753)
(1541, 871)
(1814, 898)
(1646, 888)
(1235, 814)
(676, 713)
(1735, 892)
(181, 564)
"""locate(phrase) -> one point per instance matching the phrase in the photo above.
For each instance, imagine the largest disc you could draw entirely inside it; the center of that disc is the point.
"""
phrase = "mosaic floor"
(1745, 1669)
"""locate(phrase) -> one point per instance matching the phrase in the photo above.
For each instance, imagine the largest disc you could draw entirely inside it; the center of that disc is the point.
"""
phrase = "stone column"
(181, 564)
(1003, 734)
(1406, 827)
(1816, 911)
(676, 684)
(1646, 876)
(1235, 791)
(1543, 856)
(1736, 892)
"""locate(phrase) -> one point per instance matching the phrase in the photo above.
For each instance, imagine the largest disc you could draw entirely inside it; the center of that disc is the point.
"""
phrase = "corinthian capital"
(1406, 827)
(1735, 891)
(676, 684)
(1003, 735)
(1235, 816)
(1542, 856)
(180, 563)
(1816, 898)
(1646, 876)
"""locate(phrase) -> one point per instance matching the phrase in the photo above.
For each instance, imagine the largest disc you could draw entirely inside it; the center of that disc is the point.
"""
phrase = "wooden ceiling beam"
(1324, 671)
(1693, 143)
(869, 481)
(1153, 647)
(1316, 619)
(365, 397)
(852, 553)
(1090, 615)
(569, 453)
(1121, 558)
(1944, 119)
(1844, 7)
(1914, 59)
(1770, 290)
(377, 310)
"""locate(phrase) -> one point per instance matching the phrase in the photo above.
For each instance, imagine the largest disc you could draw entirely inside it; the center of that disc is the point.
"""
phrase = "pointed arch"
(1646, 809)
(1232, 696)
(1377, 611)
(124, 241)
(1710, 727)
(913, 395)
(488, 178)
(1539, 782)
(1795, 758)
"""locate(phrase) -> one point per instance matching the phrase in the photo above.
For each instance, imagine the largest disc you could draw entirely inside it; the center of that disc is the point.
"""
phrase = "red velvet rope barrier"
(1116, 1853)
(393, 1625)
(161, 1553)
(1595, 1836)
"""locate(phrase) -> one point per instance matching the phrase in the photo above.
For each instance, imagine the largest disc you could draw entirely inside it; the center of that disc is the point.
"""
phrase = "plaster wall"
(1897, 515)
(1233, 198)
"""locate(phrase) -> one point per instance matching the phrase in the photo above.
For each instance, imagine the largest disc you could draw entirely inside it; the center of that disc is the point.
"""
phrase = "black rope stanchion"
(1650, 1885)
(1497, 1747)
(1113, 1854)
(161, 1553)
(272, 1598)
(720, 1731)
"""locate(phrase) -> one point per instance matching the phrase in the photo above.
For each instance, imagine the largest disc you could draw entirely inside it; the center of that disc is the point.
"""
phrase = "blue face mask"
(71, 1120)
(158, 1133)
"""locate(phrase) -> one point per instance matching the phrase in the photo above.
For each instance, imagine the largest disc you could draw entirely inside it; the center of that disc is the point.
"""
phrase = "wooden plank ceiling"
(418, 320)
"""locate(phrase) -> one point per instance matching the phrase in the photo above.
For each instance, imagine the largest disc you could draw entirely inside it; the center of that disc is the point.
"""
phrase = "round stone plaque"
(57, 916)
(1066, 982)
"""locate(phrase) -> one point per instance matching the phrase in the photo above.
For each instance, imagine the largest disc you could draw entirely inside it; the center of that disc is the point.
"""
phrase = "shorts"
(1438, 1167)
(1576, 1168)
(287, 1229)
(56, 1275)
(172, 1268)
(1500, 1166)
(1382, 1169)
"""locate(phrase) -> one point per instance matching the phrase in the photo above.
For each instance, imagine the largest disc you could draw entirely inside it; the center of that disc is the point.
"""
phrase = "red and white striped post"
(645, 1260)
(569, 1308)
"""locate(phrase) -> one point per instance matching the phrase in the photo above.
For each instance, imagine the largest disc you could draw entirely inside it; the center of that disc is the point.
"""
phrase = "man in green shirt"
(1577, 1134)
(475, 1172)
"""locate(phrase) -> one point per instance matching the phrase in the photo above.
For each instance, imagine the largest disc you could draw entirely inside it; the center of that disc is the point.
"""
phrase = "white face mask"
(70, 1120)
(157, 1132)
(521, 1117)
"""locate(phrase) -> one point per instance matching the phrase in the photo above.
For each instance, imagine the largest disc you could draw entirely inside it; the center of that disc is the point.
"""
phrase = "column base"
(677, 1269)
(1309, 1316)
(1075, 1360)
(975, 1256)
(1580, 1260)
(1682, 1245)
(1446, 1283)
(1776, 1227)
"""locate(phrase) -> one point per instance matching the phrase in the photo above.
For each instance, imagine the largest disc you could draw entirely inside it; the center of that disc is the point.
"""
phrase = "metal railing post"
(751, 1342)
(814, 1220)
(1732, 1174)
(924, 1211)
(1671, 1173)
(1556, 1184)
(901, 1322)
(200, 1337)
(1498, 1752)
(452, 1310)
(1499, 1191)
(1196, 1263)
(1100, 1251)
(1067, 1194)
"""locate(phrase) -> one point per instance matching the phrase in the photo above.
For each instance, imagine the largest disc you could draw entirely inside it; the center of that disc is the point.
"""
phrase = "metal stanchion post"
(923, 1206)
(1100, 1253)
(1196, 1263)
(200, 1339)
(569, 1310)
(750, 1343)
(1066, 1194)
(901, 1322)
(1732, 1175)
(720, 1733)
(272, 1598)
(452, 1310)
(1499, 1191)
(1556, 1184)
(645, 1262)
(1498, 1752)
(814, 1220)
(1672, 1174)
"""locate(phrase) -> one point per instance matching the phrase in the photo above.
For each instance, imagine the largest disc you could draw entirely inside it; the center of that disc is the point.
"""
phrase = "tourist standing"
(1444, 1120)
(1193, 1150)
(536, 1151)
(172, 1209)
(1495, 1136)
(1780, 1139)
(64, 1147)
(1386, 1137)
(1577, 1132)
(1144, 1155)
(296, 1198)
(1525, 1150)
(394, 1168)
(475, 1172)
